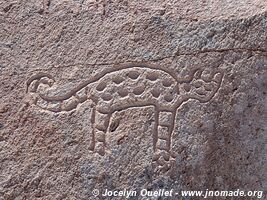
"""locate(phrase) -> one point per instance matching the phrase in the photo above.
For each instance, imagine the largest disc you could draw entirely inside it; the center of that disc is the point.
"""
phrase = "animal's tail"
(38, 84)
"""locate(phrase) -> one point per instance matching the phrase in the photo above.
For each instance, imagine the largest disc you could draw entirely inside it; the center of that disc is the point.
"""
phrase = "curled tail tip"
(41, 78)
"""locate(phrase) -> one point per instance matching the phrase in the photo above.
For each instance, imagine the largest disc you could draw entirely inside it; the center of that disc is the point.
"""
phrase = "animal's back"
(134, 87)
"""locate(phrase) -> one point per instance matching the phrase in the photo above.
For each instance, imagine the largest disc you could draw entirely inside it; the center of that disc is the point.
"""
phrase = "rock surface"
(179, 88)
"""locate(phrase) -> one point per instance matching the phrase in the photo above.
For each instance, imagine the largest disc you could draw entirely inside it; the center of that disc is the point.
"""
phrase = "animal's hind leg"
(92, 142)
(164, 128)
(100, 128)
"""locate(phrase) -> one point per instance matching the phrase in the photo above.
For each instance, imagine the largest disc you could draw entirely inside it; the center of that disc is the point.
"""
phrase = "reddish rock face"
(131, 96)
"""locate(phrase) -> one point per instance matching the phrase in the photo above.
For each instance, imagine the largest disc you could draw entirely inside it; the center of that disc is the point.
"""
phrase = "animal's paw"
(163, 162)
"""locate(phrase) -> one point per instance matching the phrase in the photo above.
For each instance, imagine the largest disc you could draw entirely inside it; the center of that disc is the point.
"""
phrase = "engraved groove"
(208, 87)
(117, 79)
(101, 86)
(167, 82)
(197, 83)
(155, 93)
(200, 91)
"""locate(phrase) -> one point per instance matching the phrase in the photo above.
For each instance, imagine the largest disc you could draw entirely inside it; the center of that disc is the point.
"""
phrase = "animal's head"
(201, 86)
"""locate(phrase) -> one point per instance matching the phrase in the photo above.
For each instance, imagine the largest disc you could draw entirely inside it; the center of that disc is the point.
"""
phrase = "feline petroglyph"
(131, 85)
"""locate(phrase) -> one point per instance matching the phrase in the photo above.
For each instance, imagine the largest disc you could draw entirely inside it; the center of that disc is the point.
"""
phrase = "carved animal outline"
(131, 85)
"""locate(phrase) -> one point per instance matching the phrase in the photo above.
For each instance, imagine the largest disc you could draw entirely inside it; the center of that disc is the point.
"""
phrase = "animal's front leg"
(100, 128)
(165, 124)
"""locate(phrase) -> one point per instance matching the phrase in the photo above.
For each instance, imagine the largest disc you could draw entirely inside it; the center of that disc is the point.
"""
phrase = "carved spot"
(155, 93)
(168, 97)
(133, 74)
(201, 92)
(197, 83)
(99, 135)
(152, 76)
(123, 92)
(139, 90)
(117, 79)
(187, 87)
(101, 86)
(106, 97)
(167, 82)
(208, 87)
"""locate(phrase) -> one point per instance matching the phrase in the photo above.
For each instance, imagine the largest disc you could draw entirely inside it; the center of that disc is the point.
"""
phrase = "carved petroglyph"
(131, 85)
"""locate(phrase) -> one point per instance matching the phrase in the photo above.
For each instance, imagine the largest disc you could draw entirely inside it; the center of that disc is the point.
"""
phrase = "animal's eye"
(168, 97)
(106, 97)
(123, 92)
(208, 87)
